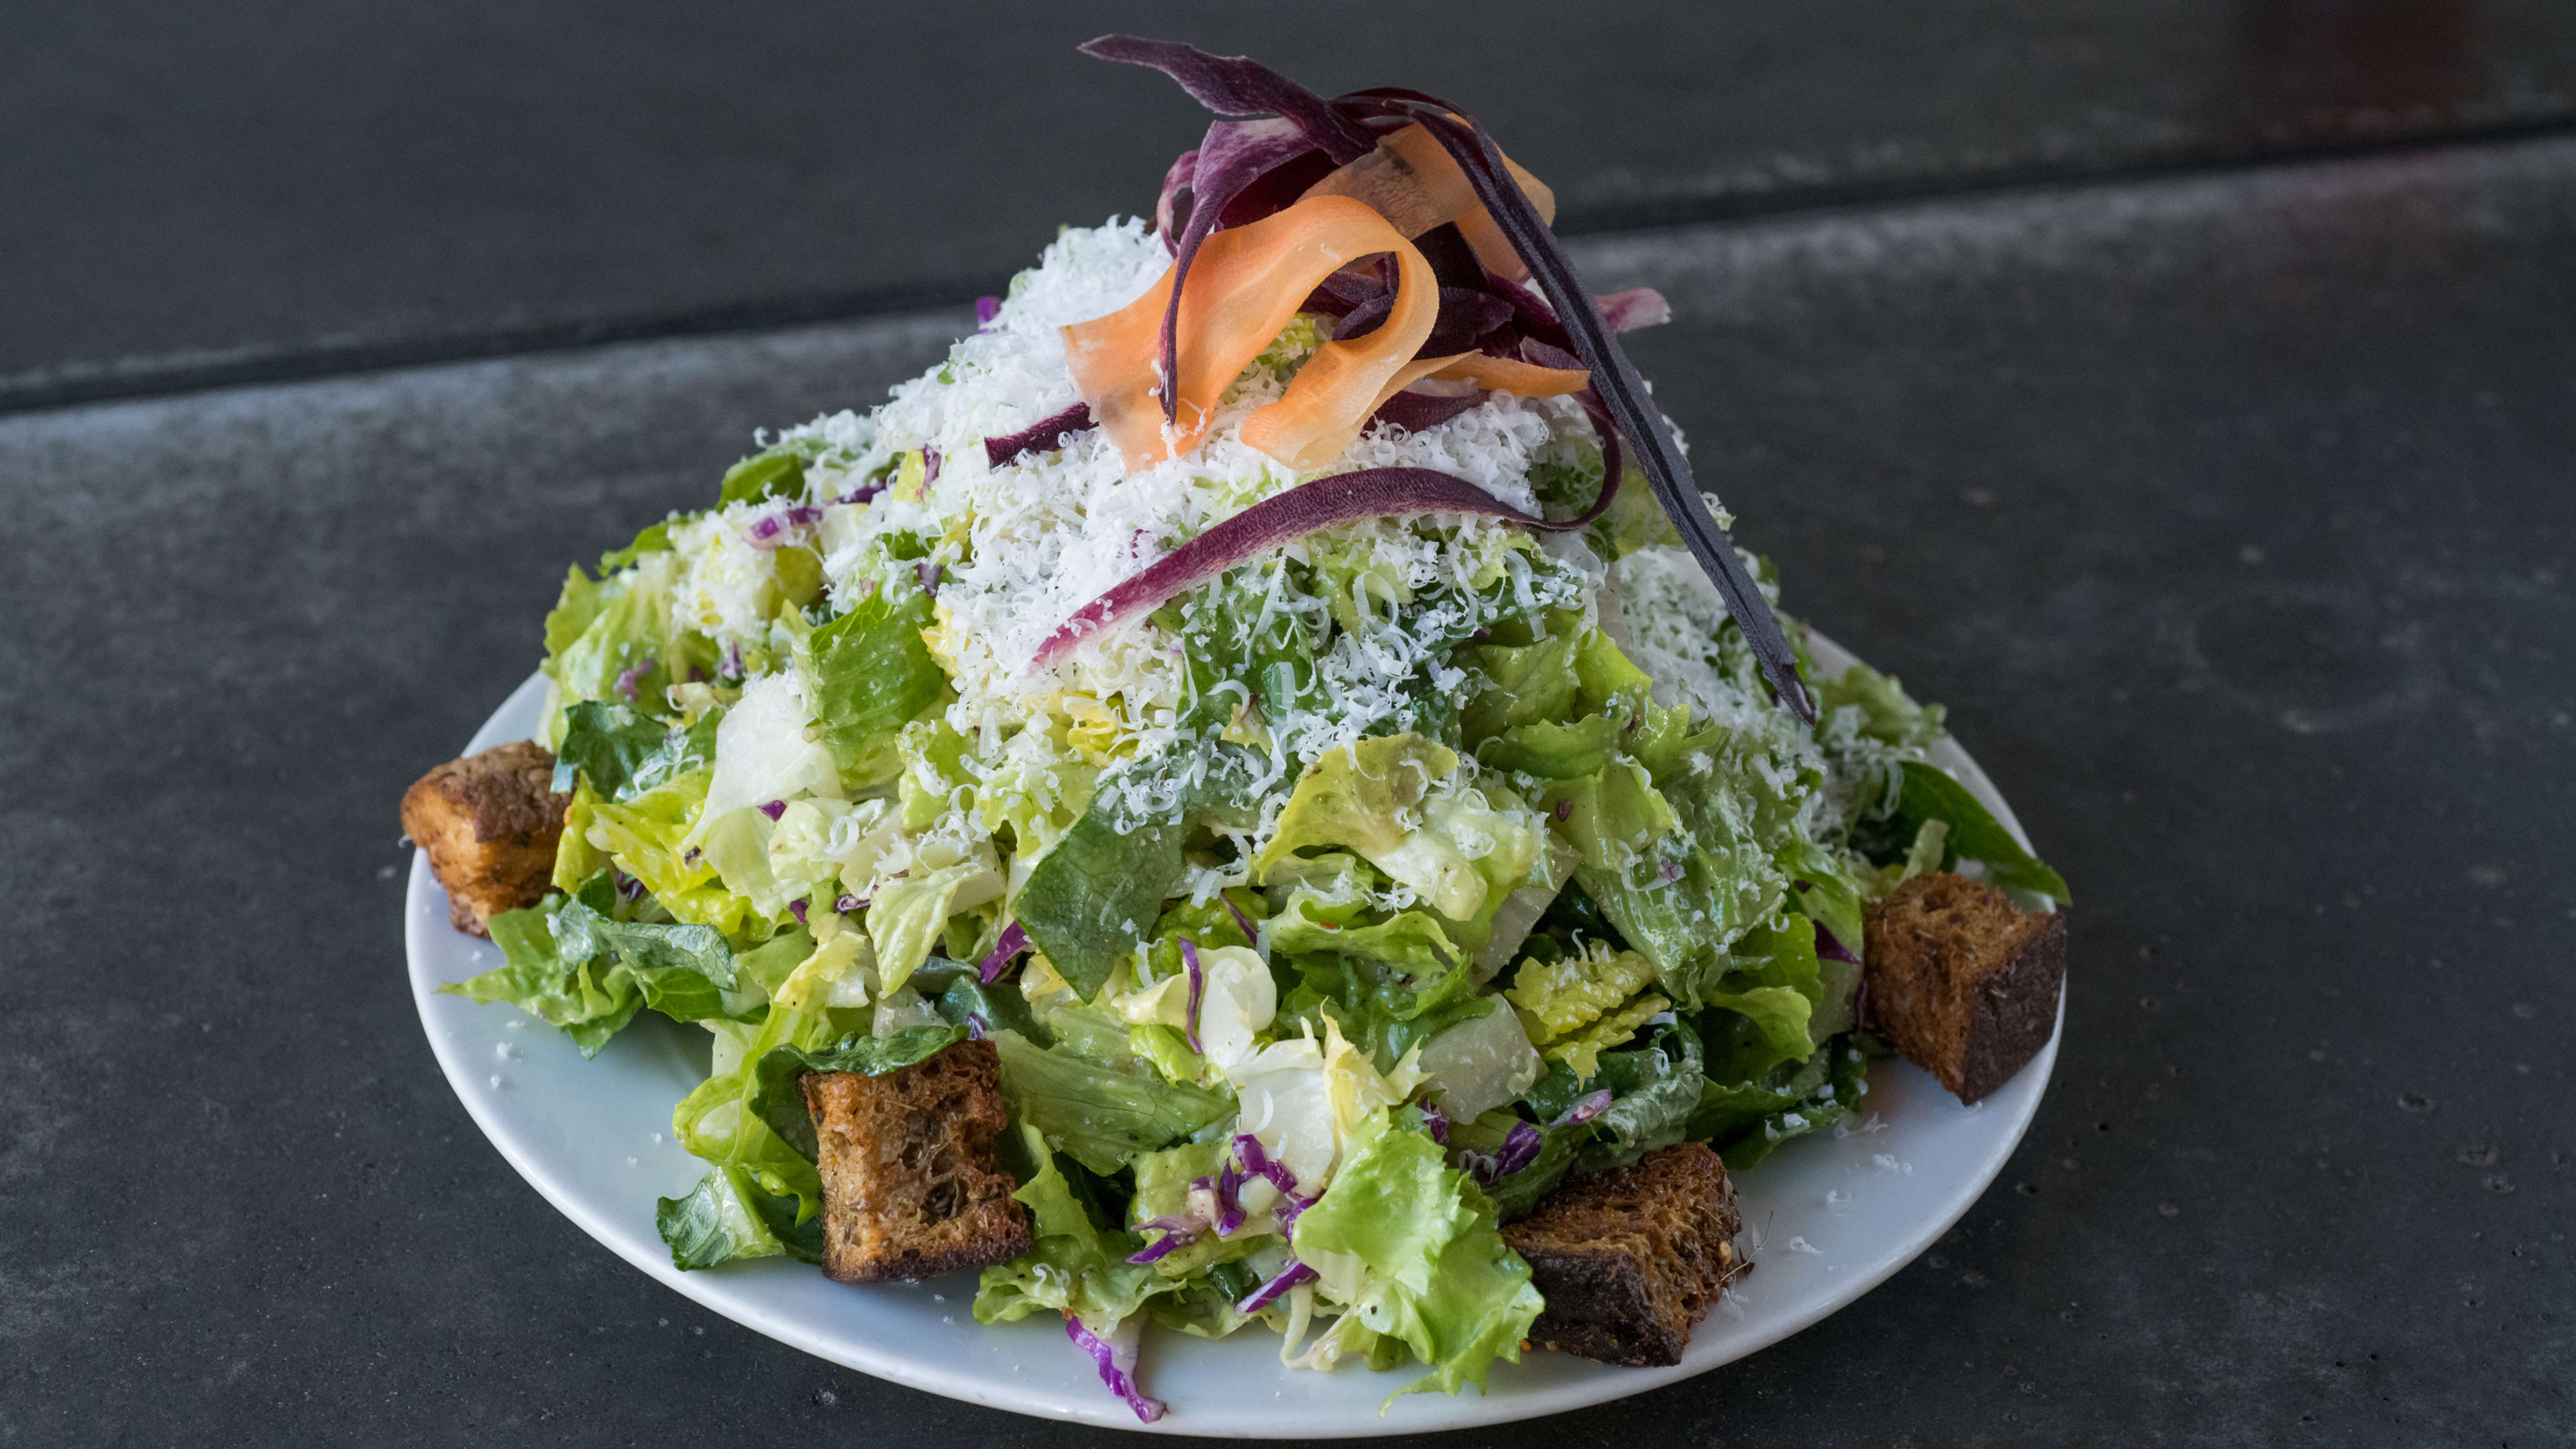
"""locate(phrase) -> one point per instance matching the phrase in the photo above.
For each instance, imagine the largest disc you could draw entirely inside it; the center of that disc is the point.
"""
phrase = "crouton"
(910, 1189)
(1631, 1258)
(1962, 981)
(489, 823)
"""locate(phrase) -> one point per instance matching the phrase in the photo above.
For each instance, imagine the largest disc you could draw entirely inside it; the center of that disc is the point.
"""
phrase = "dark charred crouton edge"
(1630, 1259)
(1962, 981)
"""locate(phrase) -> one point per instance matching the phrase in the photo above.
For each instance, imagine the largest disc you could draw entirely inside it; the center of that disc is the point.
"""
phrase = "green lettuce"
(1926, 794)
(591, 1000)
(1885, 712)
(1097, 892)
(772, 474)
(1077, 1264)
(620, 638)
(870, 675)
(1439, 1277)
(1745, 1120)
(1393, 800)
(727, 1218)
(1098, 1115)
(622, 753)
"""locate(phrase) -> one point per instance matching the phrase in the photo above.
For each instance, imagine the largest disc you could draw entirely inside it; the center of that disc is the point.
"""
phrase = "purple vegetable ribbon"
(1198, 987)
(1013, 941)
(1116, 1356)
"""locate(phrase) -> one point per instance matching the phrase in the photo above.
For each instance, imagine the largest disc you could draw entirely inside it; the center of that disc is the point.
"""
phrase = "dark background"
(2184, 391)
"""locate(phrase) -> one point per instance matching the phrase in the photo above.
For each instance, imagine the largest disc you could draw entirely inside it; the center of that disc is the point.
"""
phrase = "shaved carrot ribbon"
(1511, 375)
(1246, 284)
(1415, 185)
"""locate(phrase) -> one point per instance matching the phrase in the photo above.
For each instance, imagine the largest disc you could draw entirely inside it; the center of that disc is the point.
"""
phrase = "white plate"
(1828, 1216)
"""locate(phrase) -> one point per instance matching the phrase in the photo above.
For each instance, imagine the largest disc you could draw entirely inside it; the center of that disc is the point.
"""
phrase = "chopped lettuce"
(620, 753)
(1881, 709)
(1436, 1274)
(729, 1217)
(1078, 1264)
(1925, 795)
(1098, 1115)
(870, 675)
(590, 1000)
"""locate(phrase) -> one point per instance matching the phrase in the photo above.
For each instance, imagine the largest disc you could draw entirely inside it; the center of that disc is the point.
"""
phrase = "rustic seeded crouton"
(910, 1189)
(1963, 981)
(490, 823)
(1629, 1259)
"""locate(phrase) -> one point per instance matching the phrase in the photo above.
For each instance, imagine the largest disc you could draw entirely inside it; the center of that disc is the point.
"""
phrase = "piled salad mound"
(1278, 684)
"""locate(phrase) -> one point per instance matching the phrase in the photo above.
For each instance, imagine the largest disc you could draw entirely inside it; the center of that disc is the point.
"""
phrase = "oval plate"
(1828, 1216)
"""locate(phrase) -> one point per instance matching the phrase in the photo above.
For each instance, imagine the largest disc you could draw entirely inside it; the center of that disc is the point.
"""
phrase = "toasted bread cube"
(910, 1187)
(490, 823)
(1963, 981)
(1630, 1259)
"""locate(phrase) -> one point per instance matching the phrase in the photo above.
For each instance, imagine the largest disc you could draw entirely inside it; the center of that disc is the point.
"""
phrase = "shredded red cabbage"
(1116, 1356)
(1520, 1149)
(976, 1028)
(1830, 946)
(626, 679)
(1044, 436)
(1006, 949)
(1198, 987)
(797, 909)
(1437, 1122)
(1257, 1163)
(774, 809)
(861, 494)
(1269, 1293)
(1177, 1230)
(1228, 1192)
(1240, 918)
(986, 309)
(928, 573)
(848, 903)
(1283, 519)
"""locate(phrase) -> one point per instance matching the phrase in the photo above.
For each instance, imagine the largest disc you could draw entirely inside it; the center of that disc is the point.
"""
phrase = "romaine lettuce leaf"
(1885, 712)
(1745, 1120)
(1759, 1008)
(870, 675)
(1098, 1115)
(772, 474)
(1078, 1263)
(1927, 794)
(1092, 899)
(622, 753)
(727, 1217)
(1398, 801)
(590, 1000)
(1439, 1277)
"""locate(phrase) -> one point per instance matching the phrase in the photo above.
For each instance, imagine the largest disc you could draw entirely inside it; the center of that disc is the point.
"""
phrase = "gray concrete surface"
(2230, 514)
(199, 193)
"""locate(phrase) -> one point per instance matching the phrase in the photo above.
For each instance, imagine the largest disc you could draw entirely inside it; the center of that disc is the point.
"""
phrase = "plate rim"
(425, 919)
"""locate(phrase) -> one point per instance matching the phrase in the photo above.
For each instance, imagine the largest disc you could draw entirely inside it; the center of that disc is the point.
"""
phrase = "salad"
(1279, 681)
